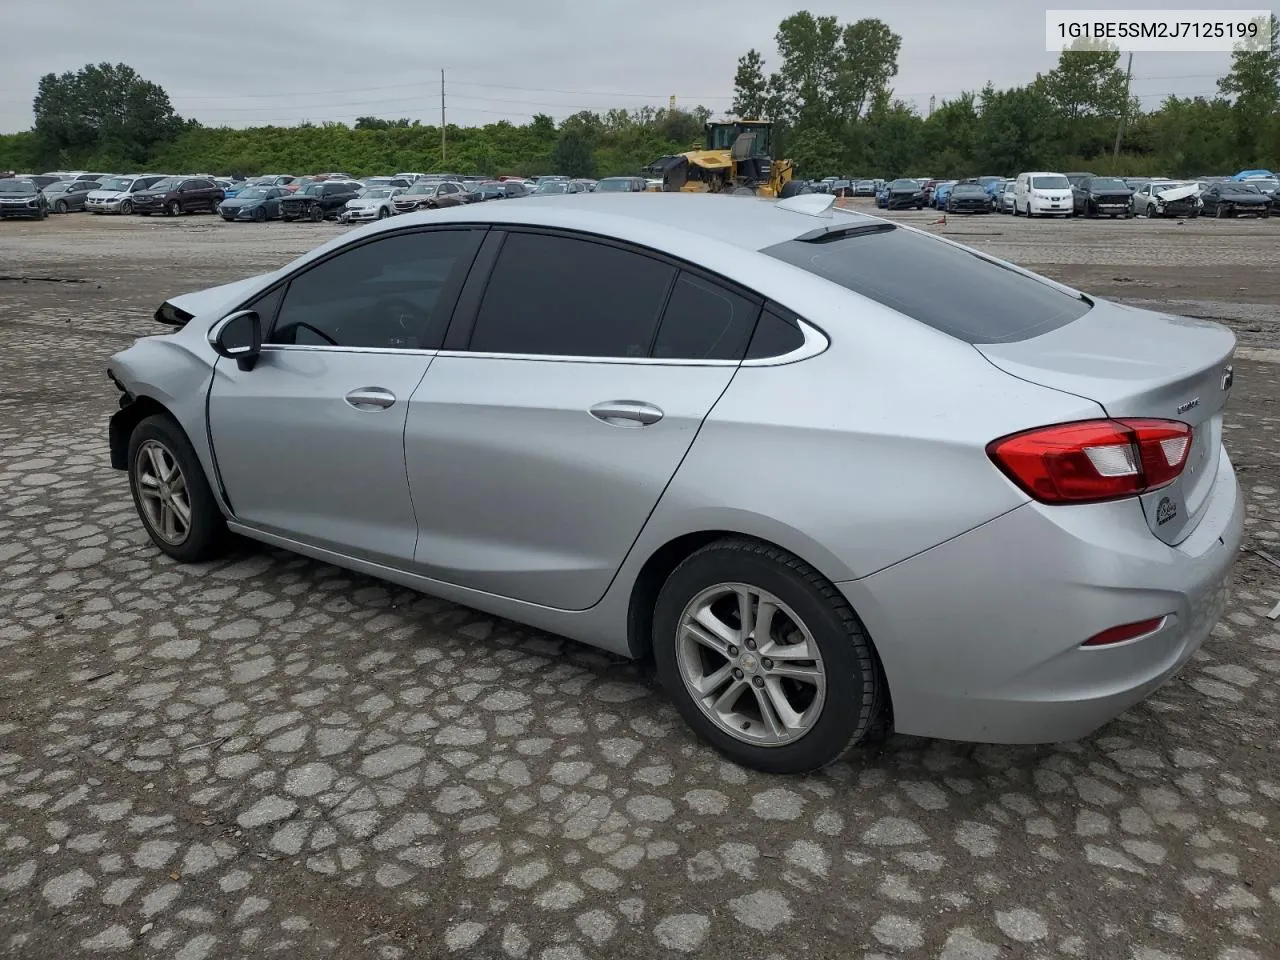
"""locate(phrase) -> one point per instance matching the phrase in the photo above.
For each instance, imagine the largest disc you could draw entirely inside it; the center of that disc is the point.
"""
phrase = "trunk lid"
(1135, 363)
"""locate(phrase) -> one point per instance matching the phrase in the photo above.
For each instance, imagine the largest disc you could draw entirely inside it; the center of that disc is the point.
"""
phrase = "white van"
(1042, 194)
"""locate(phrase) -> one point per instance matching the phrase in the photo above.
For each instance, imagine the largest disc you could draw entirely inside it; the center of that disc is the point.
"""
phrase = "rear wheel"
(172, 494)
(765, 659)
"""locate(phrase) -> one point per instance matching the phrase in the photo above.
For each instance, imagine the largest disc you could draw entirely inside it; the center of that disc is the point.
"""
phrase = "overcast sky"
(234, 63)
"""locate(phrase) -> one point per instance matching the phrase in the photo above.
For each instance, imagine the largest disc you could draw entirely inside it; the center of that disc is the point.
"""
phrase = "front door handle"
(627, 413)
(370, 398)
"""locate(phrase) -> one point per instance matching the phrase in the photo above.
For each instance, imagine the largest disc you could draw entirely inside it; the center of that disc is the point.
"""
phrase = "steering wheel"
(303, 325)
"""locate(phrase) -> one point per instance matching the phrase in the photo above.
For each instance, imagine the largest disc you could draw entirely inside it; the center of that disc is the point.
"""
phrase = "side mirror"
(239, 338)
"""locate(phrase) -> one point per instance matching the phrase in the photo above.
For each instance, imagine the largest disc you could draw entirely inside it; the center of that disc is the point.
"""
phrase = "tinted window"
(776, 334)
(947, 287)
(395, 292)
(560, 296)
(704, 321)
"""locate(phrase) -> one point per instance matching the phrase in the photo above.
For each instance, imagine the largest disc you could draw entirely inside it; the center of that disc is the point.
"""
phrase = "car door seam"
(404, 455)
(663, 492)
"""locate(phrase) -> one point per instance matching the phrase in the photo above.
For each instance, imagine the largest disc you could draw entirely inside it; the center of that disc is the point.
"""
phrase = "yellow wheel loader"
(736, 157)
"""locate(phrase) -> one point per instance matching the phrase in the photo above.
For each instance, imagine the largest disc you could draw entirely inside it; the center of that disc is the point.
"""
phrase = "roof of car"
(743, 222)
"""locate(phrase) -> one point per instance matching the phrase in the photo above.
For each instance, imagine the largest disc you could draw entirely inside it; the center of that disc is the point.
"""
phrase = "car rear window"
(947, 287)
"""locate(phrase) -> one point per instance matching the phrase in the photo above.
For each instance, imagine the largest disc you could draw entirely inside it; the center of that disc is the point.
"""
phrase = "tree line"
(830, 96)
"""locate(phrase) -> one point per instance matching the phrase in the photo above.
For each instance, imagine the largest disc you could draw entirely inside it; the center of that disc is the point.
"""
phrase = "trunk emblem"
(1194, 402)
(1165, 511)
(1228, 377)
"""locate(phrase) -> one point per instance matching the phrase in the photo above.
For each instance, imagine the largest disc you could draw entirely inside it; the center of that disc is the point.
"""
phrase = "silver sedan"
(831, 473)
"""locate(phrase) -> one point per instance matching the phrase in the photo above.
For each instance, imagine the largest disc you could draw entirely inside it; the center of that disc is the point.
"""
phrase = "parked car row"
(286, 197)
(1047, 193)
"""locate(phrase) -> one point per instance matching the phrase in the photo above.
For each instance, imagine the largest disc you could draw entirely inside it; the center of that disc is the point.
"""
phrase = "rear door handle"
(370, 398)
(627, 413)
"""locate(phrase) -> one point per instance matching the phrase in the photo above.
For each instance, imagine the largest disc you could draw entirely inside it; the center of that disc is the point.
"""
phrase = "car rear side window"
(947, 287)
(560, 296)
(704, 321)
(777, 334)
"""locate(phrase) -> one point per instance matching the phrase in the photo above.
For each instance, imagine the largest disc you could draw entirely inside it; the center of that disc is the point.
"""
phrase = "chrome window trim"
(815, 342)
(326, 348)
(559, 358)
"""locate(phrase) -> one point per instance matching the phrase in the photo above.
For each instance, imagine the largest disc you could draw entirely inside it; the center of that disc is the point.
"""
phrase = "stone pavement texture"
(267, 756)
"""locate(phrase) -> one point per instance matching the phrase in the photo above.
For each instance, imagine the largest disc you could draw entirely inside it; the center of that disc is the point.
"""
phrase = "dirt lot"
(267, 755)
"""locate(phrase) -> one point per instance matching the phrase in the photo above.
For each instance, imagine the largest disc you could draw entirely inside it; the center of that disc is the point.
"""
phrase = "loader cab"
(723, 136)
(750, 146)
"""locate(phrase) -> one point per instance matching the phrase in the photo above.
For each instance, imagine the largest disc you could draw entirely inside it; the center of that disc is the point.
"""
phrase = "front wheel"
(1221, 212)
(315, 213)
(60, 207)
(174, 209)
(171, 493)
(382, 213)
(126, 207)
(765, 659)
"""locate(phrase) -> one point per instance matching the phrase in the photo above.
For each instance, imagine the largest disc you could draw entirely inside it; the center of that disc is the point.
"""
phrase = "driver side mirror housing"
(239, 338)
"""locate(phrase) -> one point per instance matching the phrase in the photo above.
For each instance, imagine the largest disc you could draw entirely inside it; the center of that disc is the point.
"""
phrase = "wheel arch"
(125, 420)
(663, 561)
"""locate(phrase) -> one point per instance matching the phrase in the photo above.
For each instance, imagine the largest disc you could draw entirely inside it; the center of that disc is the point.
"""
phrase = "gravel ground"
(267, 755)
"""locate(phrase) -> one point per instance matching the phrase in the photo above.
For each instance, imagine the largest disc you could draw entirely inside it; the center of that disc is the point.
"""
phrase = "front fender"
(168, 372)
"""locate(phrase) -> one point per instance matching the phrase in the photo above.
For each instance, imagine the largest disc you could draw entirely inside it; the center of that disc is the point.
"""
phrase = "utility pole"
(1124, 110)
(443, 128)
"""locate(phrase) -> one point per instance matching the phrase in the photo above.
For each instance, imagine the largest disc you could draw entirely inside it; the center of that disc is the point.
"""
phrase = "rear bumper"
(981, 636)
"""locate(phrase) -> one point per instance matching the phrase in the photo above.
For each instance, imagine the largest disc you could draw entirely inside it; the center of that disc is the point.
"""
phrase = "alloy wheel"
(162, 492)
(750, 664)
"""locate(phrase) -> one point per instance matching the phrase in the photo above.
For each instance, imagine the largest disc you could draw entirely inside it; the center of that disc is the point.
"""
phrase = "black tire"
(1264, 213)
(382, 213)
(174, 209)
(315, 213)
(207, 533)
(259, 214)
(1030, 215)
(856, 692)
(126, 207)
(60, 207)
(1221, 212)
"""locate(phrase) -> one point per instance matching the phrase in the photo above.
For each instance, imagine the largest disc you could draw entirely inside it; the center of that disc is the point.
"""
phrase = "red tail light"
(1094, 460)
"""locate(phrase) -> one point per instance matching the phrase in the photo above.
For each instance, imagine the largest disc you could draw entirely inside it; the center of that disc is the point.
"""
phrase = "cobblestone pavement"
(270, 756)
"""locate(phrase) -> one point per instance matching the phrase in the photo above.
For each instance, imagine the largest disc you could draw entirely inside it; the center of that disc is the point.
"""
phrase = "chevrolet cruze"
(741, 437)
